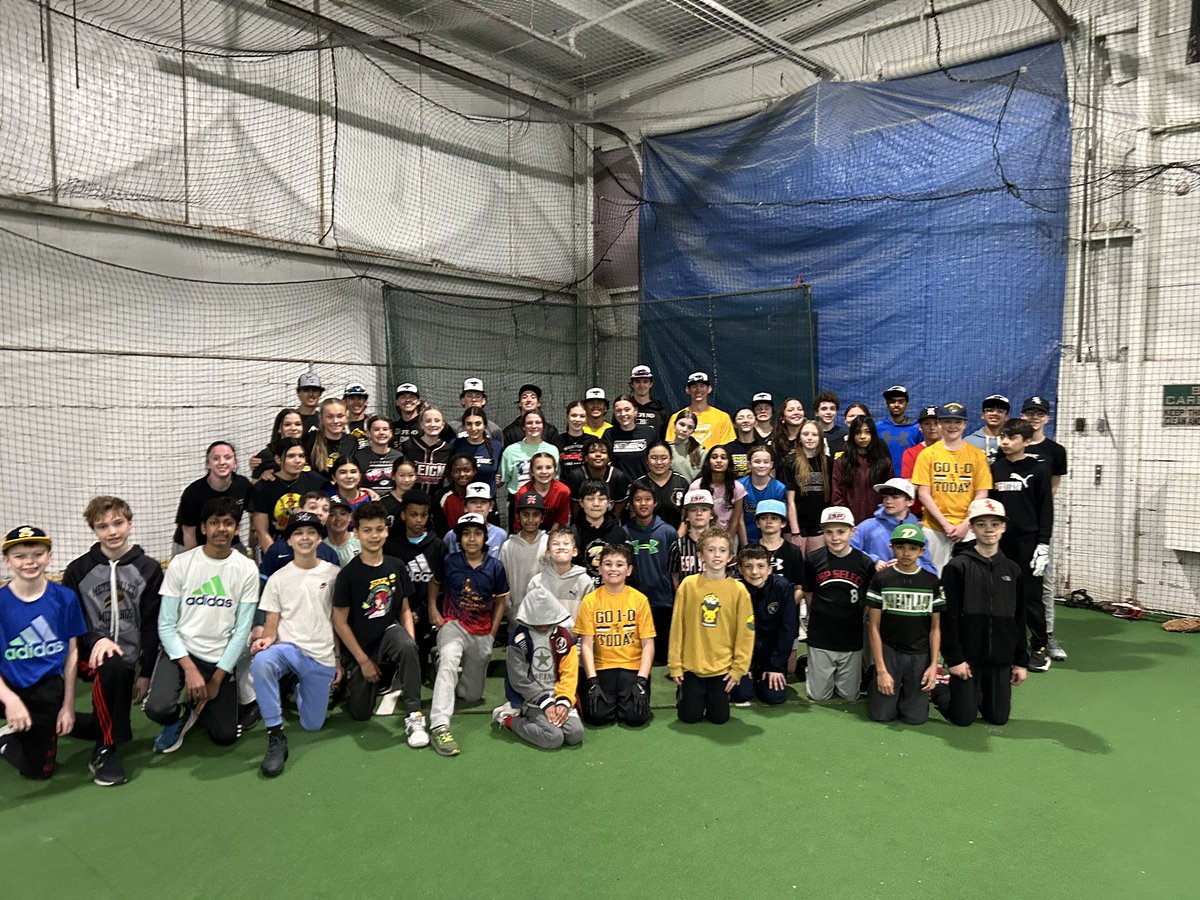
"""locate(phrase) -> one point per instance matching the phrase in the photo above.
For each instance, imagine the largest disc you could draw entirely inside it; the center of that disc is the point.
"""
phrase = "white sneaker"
(414, 727)
(744, 704)
(500, 713)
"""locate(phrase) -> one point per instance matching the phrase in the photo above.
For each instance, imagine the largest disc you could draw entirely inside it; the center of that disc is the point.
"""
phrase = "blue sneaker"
(171, 737)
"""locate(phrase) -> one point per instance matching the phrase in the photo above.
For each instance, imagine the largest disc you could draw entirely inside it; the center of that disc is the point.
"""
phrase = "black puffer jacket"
(984, 621)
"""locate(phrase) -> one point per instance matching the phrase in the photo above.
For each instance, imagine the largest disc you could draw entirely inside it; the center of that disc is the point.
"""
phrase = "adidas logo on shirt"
(36, 641)
(211, 593)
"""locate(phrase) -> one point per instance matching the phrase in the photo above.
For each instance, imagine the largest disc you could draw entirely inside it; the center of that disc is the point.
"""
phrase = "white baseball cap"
(478, 490)
(641, 372)
(473, 384)
(354, 389)
(903, 485)
(407, 388)
(980, 508)
(698, 497)
(595, 394)
(698, 378)
(837, 515)
(762, 397)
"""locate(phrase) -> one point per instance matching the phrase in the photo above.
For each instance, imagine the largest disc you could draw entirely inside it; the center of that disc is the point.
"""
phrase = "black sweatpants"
(702, 698)
(33, 752)
(1029, 588)
(618, 686)
(662, 616)
(395, 654)
(987, 693)
(112, 698)
(219, 716)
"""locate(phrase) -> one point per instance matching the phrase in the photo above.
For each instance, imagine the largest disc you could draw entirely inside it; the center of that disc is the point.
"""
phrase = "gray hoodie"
(570, 588)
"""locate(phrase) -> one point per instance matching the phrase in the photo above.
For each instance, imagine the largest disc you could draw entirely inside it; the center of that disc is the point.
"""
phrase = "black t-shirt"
(628, 448)
(358, 431)
(374, 595)
(310, 421)
(346, 446)
(199, 492)
(788, 560)
(1052, 452)
(908, 603)
(653, 416)
(403, 430)
(618, 484)
(590, 540)
(421, 561)
(810, 498)
(668, 498)
(838, 585)
(277, 498)
(570, 452)
(377, 469)
(739, 456)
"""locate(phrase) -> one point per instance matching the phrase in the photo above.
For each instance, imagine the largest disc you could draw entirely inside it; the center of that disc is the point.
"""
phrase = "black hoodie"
(983, 622)
(590, 540)
(139, 582)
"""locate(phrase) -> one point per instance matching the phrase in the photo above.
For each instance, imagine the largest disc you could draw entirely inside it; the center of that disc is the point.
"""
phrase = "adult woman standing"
(687, 453)
(785, 439)
(220, 480)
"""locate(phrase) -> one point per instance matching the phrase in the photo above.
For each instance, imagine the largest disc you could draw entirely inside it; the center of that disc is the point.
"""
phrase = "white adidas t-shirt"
(304, 600)
(209, 591)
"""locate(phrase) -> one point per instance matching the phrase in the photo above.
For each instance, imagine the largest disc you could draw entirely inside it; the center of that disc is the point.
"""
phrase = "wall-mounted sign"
(1181, 404)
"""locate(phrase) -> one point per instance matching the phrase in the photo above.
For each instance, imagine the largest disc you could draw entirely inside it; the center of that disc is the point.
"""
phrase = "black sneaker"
(1039, 661)
(11, 750)
(248, 717)
(277, 754)
(106, 770)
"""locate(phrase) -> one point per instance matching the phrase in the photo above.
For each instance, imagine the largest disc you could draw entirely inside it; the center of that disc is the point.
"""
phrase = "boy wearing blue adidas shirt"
(209, 597)
(39, 622)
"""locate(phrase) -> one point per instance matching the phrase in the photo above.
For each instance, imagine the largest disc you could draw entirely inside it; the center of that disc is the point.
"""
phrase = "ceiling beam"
(1059, 17)
(622, 26)
(675, 71)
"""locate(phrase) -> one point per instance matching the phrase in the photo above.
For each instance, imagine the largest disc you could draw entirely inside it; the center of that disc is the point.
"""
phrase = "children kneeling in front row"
(712, 634)
(616, 645)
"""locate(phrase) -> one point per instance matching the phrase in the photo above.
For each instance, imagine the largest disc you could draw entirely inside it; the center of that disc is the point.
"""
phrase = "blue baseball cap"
(771, 508)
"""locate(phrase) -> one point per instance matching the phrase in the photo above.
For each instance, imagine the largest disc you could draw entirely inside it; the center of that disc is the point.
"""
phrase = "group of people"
(733, 550)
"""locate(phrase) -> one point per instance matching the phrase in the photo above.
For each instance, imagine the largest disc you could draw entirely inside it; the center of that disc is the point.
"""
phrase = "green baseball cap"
(907, 533)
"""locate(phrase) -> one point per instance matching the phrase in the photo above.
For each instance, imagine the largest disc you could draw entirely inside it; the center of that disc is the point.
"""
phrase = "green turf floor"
(1090, 791)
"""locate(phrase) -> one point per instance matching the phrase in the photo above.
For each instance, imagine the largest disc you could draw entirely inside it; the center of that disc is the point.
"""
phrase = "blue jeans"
(312, 693)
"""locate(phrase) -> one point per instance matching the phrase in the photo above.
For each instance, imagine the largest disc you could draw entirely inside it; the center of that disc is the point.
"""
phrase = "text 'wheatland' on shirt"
(908, 602)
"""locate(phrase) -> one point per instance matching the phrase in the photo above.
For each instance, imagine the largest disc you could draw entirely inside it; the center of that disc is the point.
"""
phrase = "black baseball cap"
(1040, 404)
(928, 412)
(996, 401)
(529, 387)
(25, 534)
(301, 519)
(531, 500)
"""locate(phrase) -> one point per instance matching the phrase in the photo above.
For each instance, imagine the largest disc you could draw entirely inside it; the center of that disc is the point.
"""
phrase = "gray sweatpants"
(458, 648)
(908, 703)
(533, 726)
(1048, 592)
(833, 671)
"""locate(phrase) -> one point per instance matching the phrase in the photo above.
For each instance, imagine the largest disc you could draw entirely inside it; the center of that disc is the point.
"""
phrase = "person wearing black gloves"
(616, 634)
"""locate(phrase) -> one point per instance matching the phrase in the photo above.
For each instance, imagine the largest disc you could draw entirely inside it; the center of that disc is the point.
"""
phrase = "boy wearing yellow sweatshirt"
(712, 634)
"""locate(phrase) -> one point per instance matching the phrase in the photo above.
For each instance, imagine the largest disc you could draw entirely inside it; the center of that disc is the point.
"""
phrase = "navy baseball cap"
(952, 411)
(25, 534)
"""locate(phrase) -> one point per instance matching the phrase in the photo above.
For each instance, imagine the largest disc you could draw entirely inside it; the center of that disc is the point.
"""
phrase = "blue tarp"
(928, 214)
